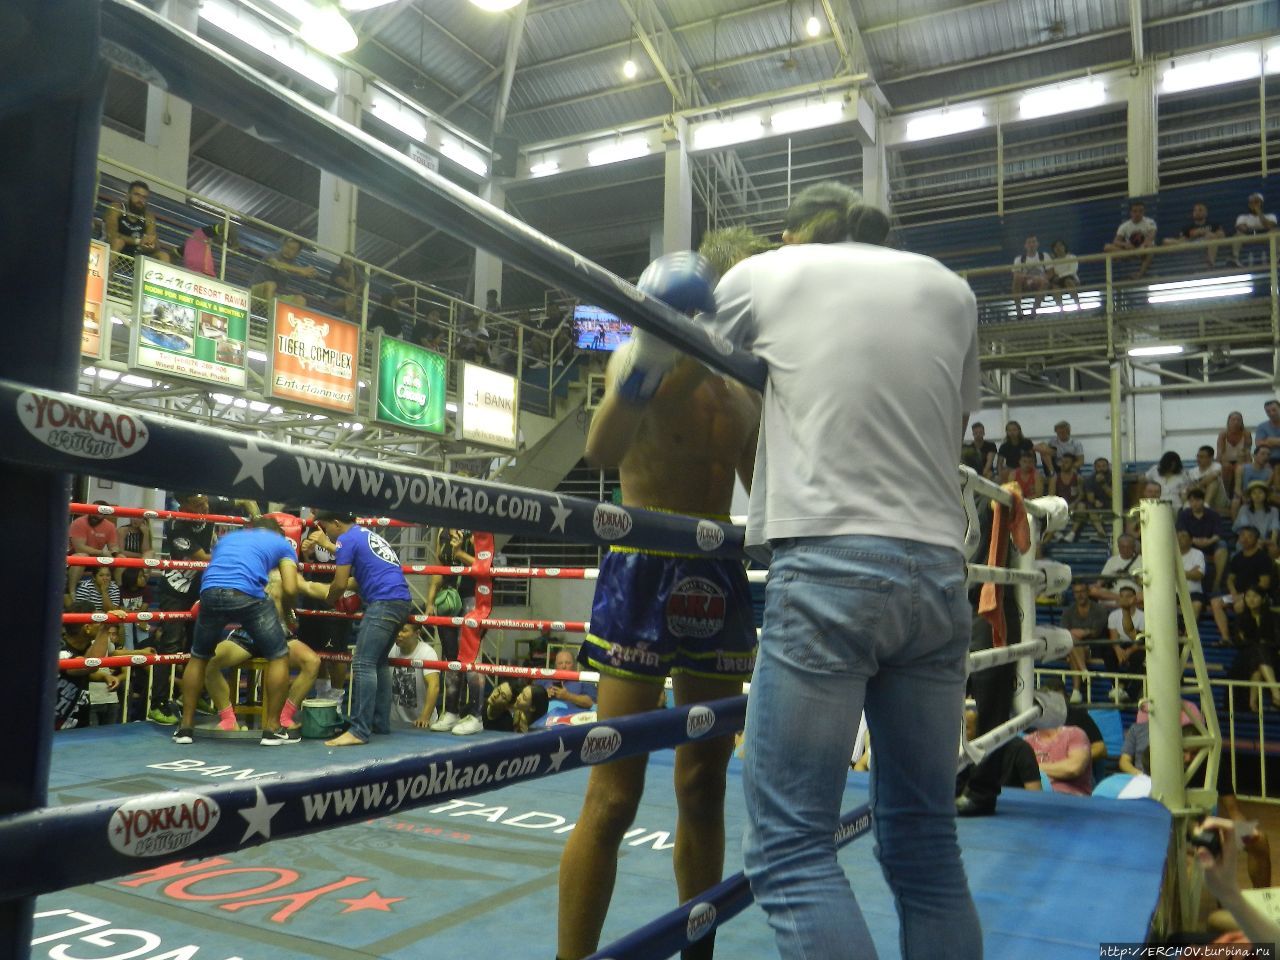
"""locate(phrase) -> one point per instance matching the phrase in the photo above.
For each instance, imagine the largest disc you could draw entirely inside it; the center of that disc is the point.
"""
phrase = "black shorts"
(329, 634)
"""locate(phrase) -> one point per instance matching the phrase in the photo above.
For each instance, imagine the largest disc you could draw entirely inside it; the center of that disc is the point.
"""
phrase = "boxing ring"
(115, 843)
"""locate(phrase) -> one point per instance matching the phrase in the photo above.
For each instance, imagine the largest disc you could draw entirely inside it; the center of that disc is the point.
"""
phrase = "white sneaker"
(467, 726)
(445, 723)
(1118, 695)
(1076, 696)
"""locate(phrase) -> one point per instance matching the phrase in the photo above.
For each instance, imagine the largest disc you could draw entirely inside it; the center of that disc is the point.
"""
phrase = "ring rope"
(112, 510)
(479, 623)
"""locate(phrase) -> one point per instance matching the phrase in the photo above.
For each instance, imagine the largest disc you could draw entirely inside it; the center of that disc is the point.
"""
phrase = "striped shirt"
(87, 590)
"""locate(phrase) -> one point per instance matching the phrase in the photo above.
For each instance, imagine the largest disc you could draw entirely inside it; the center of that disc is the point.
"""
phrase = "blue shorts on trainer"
(657, 615)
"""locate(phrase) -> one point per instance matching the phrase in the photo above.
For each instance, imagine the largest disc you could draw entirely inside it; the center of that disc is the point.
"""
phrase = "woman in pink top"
(1063, 756)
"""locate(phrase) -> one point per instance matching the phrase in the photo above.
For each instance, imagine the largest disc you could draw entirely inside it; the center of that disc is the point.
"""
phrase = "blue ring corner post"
(52, 84)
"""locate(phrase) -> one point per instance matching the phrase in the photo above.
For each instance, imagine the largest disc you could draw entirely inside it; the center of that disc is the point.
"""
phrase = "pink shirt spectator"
(1053, 750)
(103, 535)
(197, 253)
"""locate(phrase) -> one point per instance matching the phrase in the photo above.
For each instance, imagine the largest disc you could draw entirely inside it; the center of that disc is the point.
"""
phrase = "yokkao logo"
(702, 919)
(610, 522)
(161, 824)
(709, 535)
(601, 744)
(81, 431)
(701, 719)
(382, 549)
(411, 390)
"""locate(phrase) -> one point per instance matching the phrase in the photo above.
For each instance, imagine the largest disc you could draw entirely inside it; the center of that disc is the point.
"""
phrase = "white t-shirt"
(1115, 621)
(1193, 559)
(1172, 488)
(1252, 223)
(1142, 233)
(408, 689)
(873, 357)
(1069, 446)
(1033, 266)
(1118, 564)
(1068, 266)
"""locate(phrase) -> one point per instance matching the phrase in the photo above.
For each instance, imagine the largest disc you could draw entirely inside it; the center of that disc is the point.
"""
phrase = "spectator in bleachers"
(1136, 233)
(1060, 443)
(1170, 477)
(1125, 654)
(1097, 495)
(429, 332)
(202, 250)
(1078, 716)
(1118, 570)
(1030, 275)
(1066, 483)
(134, 539)
(1254, 223)
(414, 691)
(1086, 621)
(1018, 767)
(1200, 230)
(347, 280)
(1206, 476)
(1258, 513)
(1258, 470)
(1234, 446)
(1202, 525)
(1063, 755)
(131, 226)
(569, 696)
(1137, 739)
(1251, 566)
(93, 535)
(71, 696)
(1147, 490)
(979, 454)
(491, 303)
(99, 590)
(1027, 477)
(386, 316)
(1254, 639)
(1268, 432)
(1064, 275)
(1010, 452)
(1194, 567)
(275, 277)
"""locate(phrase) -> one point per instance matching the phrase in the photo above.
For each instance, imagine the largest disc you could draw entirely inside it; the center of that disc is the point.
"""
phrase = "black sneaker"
(276, 738)
(183, 735)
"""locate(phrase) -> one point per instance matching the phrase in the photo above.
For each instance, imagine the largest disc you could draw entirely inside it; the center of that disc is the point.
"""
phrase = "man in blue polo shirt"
(233, 590)
(385, 594)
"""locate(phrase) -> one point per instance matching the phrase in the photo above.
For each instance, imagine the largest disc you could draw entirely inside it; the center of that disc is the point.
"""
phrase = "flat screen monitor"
(598, 329)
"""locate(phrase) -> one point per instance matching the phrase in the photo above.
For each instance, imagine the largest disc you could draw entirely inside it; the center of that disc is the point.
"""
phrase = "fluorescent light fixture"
(451, 407)
(1211, 71)
(946, 123)
(248, 29)
(495, 6)
(398, 115)
(353, 425)
(118, 320)
(258, 355)
(1082, 301)
(1062, 98)
(1272, 62)
(134, 380)
(1159, 350)
(1214, 290)
(618, 151)
(813, 26)
(721, 133)
(224, 398)
(544, 168)
(357, 6)
(464, 157)
(807, 116)
(629, 69)
(257, 406)
(326, 30)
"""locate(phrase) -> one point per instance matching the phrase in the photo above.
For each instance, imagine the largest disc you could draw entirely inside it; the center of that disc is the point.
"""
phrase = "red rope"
(94, 509)
(470, 621)
(423, 569)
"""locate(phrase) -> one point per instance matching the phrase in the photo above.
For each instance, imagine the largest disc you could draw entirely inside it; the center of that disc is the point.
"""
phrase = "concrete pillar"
(488, 273)
(336, 224)
(1143, 145)
(875, 161)
(655, 241)
(168, 123)
(677, 199)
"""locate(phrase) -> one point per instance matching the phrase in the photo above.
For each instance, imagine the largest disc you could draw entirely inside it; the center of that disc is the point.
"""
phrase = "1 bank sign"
(487, 406)
(410, 385)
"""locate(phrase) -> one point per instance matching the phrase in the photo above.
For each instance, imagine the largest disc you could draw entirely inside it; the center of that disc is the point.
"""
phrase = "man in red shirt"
(92, 535)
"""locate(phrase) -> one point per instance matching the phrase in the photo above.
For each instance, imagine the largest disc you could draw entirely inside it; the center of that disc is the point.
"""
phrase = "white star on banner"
(259, 817)
(561, 515)
(252, 460)
(558, 757)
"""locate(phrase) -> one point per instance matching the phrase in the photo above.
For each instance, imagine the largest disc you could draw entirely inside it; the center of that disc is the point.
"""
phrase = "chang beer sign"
(410, 386)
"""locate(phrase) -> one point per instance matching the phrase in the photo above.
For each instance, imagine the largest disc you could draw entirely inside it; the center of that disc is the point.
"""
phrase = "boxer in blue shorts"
(678, 434)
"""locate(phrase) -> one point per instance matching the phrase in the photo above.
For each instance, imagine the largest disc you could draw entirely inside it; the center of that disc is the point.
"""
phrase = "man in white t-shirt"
(1206, 476)
(1126, 563)
(869, 560)
(1059, 445)
(413, 690)
(1193, 563)
(1125, 654)
(1136, 233)
(1030, 274)
(1257, 222)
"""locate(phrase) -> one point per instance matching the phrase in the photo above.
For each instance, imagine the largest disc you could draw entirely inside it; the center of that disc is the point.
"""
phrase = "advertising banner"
(487, 406)
(312, 359)
(187, 325)
(409, 385)
(93, 335)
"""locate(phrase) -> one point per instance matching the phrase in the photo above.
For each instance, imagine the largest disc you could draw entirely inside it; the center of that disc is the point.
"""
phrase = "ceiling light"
(464, 157)
(495, 6)
(629, 69)
(813, 26)
(1063, 98)
(257, 355)
(396, 114)
(544, 168)
(616, 152)
(945, 124)
(1211, 72)
(1161, 350)
(248, 29)
(326, 30)
(222, 397)
(356, 6)
(721, 133)
(451, 407)
(1272, 63)
(1209, 288)
(807, 116)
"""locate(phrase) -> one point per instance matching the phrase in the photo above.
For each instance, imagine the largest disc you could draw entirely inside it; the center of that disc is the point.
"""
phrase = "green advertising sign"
(410, 386)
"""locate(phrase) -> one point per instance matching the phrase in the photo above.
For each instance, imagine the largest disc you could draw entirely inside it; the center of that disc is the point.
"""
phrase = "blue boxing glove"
(684, 281)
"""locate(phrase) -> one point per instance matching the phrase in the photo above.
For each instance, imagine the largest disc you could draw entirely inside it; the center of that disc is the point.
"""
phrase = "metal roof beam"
(465, 97)
(515, 33)
(1135, 29)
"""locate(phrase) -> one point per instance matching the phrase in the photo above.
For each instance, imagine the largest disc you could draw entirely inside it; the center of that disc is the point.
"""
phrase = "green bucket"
(319, 719)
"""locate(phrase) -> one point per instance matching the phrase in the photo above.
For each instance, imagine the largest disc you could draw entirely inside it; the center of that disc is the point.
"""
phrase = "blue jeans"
(854, 623)
(370, 673)
(257, 617)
